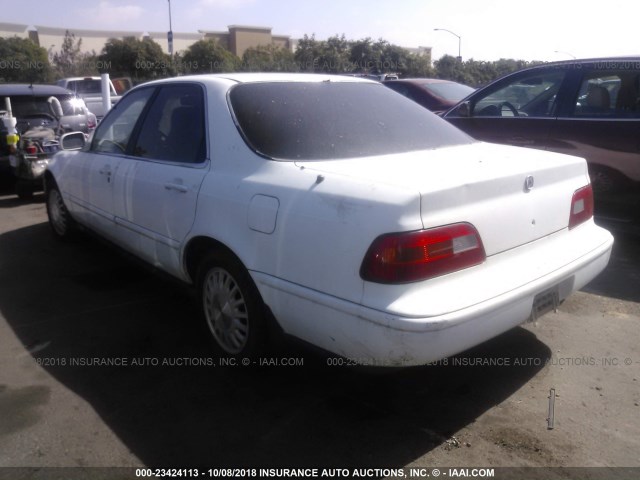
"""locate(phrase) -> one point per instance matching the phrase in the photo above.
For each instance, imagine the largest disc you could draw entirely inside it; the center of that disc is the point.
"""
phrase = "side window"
(532, 95)
(174, 130)
(609, 94)
(114, 132)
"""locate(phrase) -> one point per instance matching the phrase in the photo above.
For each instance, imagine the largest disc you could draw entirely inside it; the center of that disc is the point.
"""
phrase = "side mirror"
(464, 109)
(73, 141)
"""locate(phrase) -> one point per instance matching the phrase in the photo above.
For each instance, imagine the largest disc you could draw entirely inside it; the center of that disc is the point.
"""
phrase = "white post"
(10, 123)
(106, 92)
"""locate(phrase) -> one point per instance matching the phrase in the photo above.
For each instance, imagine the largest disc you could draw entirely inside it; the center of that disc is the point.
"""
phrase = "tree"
(450, 68)
(367, 56)
(142, 60)
(477, 73)
(70, 61)
(330, 56)
(268, 58)
(207, 56)
(21, 60)
(416, 65)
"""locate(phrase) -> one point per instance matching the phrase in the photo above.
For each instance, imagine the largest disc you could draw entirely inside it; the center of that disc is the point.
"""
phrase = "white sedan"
(358, 220)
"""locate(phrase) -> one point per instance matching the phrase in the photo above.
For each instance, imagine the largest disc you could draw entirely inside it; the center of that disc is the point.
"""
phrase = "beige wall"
(239, 38)
(236, 40)
(242, 38)
(51, 38)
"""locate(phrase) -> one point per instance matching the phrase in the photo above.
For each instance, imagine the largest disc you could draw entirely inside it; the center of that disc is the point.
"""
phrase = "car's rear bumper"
(374, 337)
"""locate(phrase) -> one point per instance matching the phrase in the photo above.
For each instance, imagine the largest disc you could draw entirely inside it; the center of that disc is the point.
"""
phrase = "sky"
(544, 30)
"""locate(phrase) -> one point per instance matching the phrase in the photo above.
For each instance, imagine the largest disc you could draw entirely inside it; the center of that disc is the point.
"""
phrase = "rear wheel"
(605, 180)
(231, 306)
(60, 221)
(24, 190)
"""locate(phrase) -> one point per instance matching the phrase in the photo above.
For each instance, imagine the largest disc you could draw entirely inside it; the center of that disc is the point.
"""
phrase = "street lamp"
(170, 33)
(459, 40)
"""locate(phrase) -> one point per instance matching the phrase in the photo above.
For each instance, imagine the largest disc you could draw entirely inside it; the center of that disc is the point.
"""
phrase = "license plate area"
(545, 302)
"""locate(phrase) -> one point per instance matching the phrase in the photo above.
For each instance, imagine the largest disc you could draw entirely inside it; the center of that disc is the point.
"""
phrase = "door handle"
(106, 170)
(177, 187)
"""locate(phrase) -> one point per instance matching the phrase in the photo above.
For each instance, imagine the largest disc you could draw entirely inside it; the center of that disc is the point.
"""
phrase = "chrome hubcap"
(225, 310)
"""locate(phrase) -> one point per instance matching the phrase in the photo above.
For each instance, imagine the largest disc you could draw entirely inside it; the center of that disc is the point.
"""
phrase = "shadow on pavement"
(621, 278)
(84, 301)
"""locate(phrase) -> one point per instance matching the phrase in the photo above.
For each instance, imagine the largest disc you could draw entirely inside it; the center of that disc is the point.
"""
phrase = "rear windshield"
(87, 86)
(331, 120)
(454, 92)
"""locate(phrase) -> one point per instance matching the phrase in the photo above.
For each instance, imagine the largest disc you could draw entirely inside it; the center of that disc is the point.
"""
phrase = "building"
(236, 39)
(241, 37)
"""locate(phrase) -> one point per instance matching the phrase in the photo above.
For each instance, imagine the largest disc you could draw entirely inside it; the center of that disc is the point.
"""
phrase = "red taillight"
(31, 149)
(414, 256)
(581, 206)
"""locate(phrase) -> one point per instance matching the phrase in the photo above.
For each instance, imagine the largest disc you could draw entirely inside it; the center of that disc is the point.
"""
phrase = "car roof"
(420, 81)
(13, 89)
(603, 62)
(75, 79)
(268, 77)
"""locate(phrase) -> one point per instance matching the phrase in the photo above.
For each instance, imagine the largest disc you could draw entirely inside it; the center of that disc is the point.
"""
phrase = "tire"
(232, 307)
(60, 221)
(24, 190)
(605, 180)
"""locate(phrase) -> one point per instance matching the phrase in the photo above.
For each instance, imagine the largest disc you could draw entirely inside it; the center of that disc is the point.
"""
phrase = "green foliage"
(207, 56)
(22, 61)
(339, 55)
(70, 61)
(268, 58)
(142, 60)
(476, 73)
(330, 56)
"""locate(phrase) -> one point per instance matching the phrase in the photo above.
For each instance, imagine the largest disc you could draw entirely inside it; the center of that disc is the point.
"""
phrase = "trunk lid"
(512, 195)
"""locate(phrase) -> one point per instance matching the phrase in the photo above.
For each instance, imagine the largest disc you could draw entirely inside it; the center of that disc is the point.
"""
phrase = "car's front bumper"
(375, 337)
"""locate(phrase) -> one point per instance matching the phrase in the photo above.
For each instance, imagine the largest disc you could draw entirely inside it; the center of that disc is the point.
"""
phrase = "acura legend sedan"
(351, 216)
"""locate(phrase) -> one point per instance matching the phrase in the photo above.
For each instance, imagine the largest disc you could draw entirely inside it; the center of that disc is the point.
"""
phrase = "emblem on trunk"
(528, 183)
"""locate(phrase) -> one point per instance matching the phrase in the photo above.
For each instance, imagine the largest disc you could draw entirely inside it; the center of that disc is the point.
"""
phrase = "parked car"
(358, 220)
(90, 90)
(432, 93)
(588, 108)
(42, 114)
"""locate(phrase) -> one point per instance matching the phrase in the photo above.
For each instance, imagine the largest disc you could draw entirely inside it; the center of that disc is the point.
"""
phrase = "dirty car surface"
(360, 221)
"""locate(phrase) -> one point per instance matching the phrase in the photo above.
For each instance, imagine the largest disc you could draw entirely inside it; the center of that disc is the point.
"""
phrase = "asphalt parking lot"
(103, 363)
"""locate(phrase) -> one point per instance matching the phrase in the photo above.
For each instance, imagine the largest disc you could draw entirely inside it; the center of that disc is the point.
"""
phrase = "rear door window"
(173, 130)
(609, 94)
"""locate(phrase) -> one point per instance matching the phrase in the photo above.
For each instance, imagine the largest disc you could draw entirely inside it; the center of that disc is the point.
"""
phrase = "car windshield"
(332, 120)
(453, 92)
(24, 106)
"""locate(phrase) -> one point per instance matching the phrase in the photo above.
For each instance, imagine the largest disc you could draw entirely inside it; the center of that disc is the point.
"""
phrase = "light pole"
(565, 53)
(170, 33)
(459, 40)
